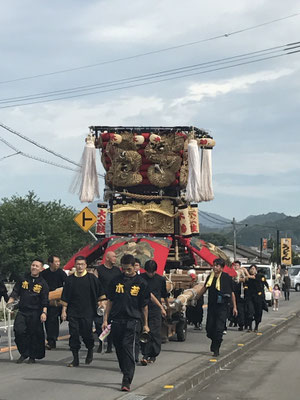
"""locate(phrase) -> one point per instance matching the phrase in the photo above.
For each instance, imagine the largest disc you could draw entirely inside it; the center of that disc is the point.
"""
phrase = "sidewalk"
(180, 366)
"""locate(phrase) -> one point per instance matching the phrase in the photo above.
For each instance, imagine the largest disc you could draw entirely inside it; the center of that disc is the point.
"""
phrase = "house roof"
(247, 252)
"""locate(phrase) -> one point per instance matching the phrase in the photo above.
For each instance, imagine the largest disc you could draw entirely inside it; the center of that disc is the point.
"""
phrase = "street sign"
(85, 219)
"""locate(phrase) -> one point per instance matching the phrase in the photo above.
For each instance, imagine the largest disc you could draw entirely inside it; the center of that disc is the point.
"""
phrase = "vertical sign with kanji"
(101, 219)
(286, 251)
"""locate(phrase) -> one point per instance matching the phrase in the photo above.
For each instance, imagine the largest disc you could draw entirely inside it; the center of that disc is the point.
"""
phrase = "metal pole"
(261, 249)
(9, 333)
(4, 313)
(234, 238)
(278, 248)
(91, 233)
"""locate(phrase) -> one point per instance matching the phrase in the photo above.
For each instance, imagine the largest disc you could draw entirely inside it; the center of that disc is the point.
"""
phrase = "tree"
(296, 258)
(30, 228)
(216, 238)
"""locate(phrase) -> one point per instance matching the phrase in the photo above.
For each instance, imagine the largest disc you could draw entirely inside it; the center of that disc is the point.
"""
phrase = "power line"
(149, 83)
(206, 216)
(215, 218)
(35, 158)
(212, 219)
(162, 73)
(10, 155)
(40, 146)
(226, 35)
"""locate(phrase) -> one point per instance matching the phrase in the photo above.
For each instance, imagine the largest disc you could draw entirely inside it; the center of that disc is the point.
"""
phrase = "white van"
(294, 273)
(267, 271)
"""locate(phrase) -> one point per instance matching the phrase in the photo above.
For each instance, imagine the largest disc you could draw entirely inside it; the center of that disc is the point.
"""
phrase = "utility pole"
(234, 238)
(278, 248)
(261, 249)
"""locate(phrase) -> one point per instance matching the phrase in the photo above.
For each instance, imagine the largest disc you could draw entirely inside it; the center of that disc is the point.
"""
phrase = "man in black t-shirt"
(3, 291)
(55, 278)
(158, 290)
(254, 289)
(28, 326)
(80, 295)
(127, 307)
(220, 292)
(106, 273)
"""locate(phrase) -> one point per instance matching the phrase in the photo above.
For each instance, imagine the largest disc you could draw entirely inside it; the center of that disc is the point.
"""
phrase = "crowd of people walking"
(123, 305)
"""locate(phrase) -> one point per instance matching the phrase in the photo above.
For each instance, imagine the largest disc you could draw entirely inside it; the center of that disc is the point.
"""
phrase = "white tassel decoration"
(193, 188)
(86, 182)
(206, 191)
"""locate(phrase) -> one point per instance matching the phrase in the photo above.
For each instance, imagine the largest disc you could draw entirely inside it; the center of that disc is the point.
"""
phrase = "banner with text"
(286, 251)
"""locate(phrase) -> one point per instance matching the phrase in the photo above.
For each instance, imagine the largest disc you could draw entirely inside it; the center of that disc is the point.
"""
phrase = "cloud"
(252, 111)
(261, 189)
(131, 31)
(259, 163)
(198, 91)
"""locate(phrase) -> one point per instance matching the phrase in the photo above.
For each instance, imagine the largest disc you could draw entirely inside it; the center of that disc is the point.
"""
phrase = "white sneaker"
(274, 309)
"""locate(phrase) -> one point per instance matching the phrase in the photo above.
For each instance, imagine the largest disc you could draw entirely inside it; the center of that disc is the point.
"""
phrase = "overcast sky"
(251, 110)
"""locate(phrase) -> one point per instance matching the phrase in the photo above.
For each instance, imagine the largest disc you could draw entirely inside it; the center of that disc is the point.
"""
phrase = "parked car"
(294, 273)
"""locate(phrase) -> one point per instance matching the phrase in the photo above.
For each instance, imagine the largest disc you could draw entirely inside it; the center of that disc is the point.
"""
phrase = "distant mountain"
(253, 228)
(262, 219)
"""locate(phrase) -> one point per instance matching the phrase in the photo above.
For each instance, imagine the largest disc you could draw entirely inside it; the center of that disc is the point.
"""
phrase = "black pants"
(215, 322)
(81, 327)
(153, 347)
(194, 314)
(286, 294)
(241, 312)
(137, 346)
(29, 334)
(52, 324)
(124, 335)
(254, 310)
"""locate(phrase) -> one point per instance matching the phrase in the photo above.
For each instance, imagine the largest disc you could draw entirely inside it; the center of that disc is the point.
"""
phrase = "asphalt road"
(50, 378)
(271, 372)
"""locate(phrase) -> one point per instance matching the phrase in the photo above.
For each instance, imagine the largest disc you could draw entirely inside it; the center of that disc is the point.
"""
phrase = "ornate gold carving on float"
(136, 217)
(124, 169)
(161, 151)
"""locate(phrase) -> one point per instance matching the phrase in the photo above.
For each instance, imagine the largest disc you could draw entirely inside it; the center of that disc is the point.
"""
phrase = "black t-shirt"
(286, 282)
(128, 295)
(237, 288)
(81, 294)
(105, 275)
(81, 304)
(54, 279)
(33, 293)
(3, 291)
(157, 286)
(255, 287)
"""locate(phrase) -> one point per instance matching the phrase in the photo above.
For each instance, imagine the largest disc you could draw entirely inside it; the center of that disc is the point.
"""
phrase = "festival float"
(154, 179)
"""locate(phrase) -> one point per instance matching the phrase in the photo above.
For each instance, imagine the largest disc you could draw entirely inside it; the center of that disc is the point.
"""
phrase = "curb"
(201, 377)
(190, 379)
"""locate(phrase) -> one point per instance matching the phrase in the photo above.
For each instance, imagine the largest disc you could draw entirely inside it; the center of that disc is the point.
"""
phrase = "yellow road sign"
(85, 219)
